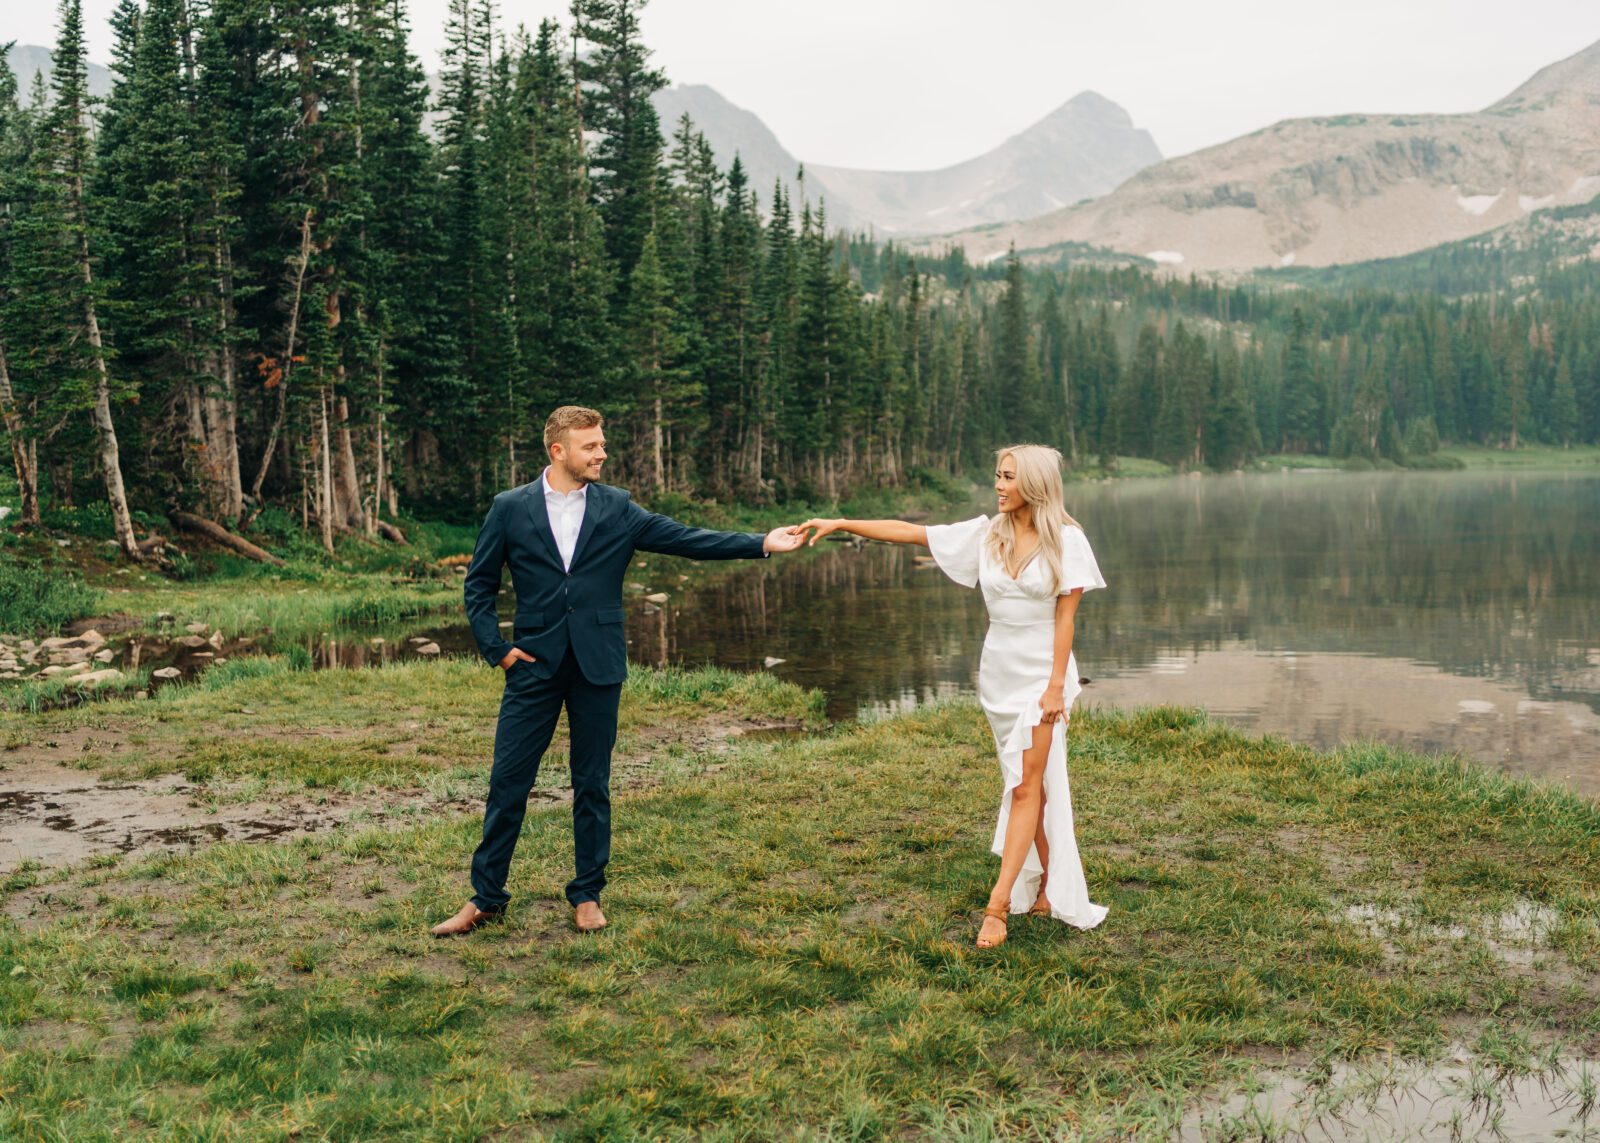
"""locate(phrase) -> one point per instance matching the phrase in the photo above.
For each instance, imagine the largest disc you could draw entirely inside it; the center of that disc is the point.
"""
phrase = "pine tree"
(626, 162)
(77, 290)
(1301, 415)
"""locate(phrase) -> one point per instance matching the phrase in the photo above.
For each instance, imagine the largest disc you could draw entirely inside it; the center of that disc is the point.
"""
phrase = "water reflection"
(1455, 611)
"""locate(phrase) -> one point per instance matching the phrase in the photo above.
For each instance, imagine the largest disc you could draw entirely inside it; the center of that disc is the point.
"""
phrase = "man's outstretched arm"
(657, 533)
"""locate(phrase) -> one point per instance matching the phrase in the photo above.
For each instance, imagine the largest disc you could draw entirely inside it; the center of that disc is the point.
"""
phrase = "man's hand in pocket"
(517, 655)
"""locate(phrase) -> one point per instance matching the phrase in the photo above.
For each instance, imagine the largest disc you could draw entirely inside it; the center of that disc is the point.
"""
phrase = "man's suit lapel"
(594, 507)
(541, 520)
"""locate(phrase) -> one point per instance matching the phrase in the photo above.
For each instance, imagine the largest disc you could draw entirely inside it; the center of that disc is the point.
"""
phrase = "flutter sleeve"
(1078, 566)
(957, 548)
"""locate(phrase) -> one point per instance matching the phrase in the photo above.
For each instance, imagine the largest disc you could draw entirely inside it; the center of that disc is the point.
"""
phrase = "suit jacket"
(578, 612)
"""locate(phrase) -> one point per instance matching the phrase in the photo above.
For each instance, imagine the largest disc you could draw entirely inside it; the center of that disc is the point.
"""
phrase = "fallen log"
(215, 532)
(390, 532)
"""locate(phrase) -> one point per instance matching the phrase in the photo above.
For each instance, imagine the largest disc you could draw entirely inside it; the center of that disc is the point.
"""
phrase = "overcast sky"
(916, 84)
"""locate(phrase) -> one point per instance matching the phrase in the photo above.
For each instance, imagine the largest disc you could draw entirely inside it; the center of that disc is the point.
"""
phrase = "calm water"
(1453, 612)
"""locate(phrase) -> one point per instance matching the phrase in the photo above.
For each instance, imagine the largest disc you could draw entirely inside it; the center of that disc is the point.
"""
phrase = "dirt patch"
(54, 815)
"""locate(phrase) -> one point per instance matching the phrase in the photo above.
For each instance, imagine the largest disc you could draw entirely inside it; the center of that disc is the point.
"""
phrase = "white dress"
(1018, 652)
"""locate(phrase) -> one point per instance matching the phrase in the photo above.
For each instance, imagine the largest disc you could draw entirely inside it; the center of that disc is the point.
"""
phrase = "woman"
(1033, 563)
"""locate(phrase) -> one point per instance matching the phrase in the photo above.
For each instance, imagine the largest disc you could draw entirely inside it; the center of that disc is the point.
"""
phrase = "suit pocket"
(529, 619)
(609, 615)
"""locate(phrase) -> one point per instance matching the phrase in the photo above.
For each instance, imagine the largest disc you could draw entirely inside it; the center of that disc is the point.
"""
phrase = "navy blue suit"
(571, 623)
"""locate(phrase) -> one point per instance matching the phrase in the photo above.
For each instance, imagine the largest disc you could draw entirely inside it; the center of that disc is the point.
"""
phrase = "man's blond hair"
(566, 418)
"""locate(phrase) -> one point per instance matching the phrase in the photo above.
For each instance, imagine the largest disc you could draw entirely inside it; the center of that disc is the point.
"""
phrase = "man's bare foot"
(465, 921)
(588, 917)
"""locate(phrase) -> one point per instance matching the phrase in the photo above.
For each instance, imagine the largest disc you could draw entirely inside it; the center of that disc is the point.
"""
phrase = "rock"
(190, 641)
(634, 586)
(769, 661)
(10, 665)
(96, 678)
(64, 669)
(69, 655)
(64, 543)
(417, 640)
(219, 659)
(428, 649)
(656, 597)
(216, 639)
(90, 638)
(203, 655)
(55, 642)
(459, 570)
(104, 655)
(10, 674)
(167, 673)
(197, 628)
(141, 694)
(29, 645)
(377, 641)
(504, 623)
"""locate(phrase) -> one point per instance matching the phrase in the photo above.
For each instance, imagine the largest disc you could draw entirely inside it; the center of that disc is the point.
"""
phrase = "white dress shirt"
(565, 510)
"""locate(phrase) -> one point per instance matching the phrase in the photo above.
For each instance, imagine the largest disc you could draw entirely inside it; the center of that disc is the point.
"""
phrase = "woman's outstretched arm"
(889, 531)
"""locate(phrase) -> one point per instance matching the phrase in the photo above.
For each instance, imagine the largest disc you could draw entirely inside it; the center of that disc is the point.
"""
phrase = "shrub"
(34, 599)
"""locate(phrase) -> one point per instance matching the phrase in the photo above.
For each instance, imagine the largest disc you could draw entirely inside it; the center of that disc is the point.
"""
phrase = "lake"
(1455, 612)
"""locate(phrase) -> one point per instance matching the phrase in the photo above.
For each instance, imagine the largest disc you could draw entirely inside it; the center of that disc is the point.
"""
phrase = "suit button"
(569, 611)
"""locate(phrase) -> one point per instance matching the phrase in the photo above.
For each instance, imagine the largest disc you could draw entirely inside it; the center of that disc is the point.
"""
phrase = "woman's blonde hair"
(1039, 482)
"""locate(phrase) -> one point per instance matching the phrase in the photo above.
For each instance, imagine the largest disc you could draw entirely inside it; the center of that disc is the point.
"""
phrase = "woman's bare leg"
(1042, 844)
(1026, 820)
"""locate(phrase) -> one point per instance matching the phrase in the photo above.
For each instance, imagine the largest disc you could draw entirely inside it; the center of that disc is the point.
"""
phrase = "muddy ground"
(57, 812)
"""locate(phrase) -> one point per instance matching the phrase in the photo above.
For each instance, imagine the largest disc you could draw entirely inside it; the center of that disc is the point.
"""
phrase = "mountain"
(25, 60)
(733, 131)
(1323, 191)
(1082, 149)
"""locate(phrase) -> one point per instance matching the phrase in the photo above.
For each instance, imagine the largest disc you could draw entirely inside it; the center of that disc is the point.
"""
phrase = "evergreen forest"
(272, 269)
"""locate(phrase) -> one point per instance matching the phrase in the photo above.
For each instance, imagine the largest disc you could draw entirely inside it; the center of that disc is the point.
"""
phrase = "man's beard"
(579, 472)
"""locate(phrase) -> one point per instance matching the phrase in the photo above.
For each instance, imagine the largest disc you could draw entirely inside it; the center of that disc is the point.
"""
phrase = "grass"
(790, 951)
(263, 721)
(1542, 457)
(34, 599)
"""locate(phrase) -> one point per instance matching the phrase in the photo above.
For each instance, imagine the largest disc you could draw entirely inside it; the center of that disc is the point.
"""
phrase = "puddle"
(1458, 1098)
(1518, 936)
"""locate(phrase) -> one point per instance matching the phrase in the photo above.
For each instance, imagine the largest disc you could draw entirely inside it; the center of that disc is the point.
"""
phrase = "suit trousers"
(528, 712)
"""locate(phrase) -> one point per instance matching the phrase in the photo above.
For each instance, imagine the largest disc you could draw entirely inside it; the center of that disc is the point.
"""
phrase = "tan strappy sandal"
(1041, 906)
(998, 914)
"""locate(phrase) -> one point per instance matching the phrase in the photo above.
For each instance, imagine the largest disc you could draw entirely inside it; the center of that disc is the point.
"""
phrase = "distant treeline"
(256, 276)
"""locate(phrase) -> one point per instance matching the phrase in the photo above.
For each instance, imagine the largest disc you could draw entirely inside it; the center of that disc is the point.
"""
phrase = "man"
(568, 540)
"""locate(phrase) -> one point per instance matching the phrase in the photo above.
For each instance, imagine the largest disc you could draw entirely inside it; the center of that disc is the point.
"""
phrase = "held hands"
(782, 540)
(516, 655)
(1053, 704)
(816, 528)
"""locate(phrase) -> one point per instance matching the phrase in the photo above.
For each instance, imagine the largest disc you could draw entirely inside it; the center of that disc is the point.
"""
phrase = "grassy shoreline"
(791, 943)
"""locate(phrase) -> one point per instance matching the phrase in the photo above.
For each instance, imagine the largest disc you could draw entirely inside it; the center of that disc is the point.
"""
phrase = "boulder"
(216, 639)
(104, 655)
(190, 641)
(64, 669)
(428, 649)
(167, 673)
(90, 639)
(656, 597)
(96, 678)
(197, 628)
